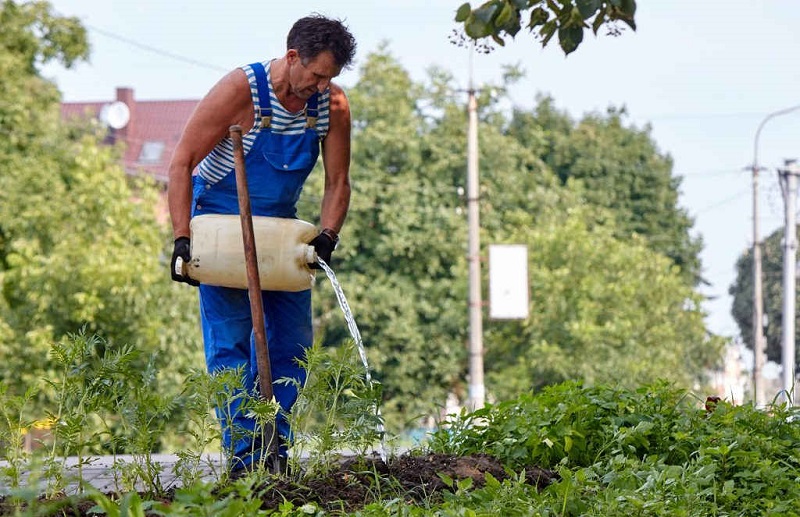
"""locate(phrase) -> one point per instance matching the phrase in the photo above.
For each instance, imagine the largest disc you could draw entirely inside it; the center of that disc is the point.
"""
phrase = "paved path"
(114, 474)
(110, 474)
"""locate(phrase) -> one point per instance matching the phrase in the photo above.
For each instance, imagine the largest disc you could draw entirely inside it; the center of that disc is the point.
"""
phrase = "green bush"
(656, 450)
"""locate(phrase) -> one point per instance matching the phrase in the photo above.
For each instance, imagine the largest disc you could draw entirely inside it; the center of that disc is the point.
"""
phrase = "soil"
(354, 483)
(416, 478)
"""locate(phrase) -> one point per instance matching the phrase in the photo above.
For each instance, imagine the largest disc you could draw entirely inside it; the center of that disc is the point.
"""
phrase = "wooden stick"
(253, 279)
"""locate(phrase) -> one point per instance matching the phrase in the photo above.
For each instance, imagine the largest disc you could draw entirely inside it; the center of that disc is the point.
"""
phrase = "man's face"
(311, 75)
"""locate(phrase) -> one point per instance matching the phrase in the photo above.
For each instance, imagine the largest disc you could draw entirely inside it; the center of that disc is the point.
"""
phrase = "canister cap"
(310, 255)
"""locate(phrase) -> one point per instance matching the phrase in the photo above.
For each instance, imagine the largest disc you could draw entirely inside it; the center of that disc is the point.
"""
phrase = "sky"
(702, 75)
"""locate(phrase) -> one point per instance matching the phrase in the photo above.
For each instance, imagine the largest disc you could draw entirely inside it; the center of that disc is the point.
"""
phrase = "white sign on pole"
(508, 281)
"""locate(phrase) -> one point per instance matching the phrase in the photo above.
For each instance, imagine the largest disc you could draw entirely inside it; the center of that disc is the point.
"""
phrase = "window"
(151, 152)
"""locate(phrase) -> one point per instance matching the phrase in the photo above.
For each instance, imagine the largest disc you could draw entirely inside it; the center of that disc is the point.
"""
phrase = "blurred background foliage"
(613, 268)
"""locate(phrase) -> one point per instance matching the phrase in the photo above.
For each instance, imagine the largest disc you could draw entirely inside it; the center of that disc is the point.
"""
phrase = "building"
(149, 130)
(732, 381)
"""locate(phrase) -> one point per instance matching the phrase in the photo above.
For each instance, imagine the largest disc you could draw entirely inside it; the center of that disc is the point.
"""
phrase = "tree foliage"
(399, 260)
(568, 19)
(599, 306)
(80, 245)
(622, 170)
(606, 298)
(772, 288)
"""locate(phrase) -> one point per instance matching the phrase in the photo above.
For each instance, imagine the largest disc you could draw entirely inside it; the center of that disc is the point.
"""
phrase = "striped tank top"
(219, 161)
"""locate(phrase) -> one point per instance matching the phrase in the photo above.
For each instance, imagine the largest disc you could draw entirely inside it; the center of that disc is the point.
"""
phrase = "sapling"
(223, 391)
(265, 413)
(336, 408)
(228, 395)
(100, 389)
(144, 414)
(13, 426)
(199, 393)
(76, 398)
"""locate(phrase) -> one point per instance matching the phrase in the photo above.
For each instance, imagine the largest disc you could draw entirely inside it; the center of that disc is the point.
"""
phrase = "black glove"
(324, 244)
(182, 250)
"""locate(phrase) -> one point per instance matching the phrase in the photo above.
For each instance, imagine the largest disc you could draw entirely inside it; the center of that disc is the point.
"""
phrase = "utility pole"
(759, 341)
(759, 346)
(477, 390)
(788, 178)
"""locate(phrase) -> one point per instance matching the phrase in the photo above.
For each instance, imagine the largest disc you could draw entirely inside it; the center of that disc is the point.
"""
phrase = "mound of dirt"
(416, 478)
(348, 486)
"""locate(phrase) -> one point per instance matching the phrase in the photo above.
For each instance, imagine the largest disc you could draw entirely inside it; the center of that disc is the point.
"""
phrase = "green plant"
(199, 394)
(227, 394)
(13, 426)
(509, 497)
(207, 500)
(336, 409)
(129, 505)
(264, 413)
(568, 422)
(78, 395)
(143, 415)
(108, 402)
(651, 451)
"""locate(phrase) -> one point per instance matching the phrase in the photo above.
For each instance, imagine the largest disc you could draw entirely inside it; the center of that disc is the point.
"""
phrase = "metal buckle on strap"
(266, 117)
(311, 117)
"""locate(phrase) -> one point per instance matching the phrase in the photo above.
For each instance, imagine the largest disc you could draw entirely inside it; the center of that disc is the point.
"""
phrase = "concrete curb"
(113, 473)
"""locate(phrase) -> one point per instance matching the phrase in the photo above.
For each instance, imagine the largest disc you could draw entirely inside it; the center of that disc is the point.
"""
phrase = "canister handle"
(180, 267)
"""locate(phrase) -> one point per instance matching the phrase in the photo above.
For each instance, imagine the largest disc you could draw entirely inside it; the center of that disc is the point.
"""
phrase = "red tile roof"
(150, 121)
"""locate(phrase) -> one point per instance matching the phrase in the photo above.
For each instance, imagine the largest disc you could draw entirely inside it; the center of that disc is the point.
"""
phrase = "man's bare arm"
(336, 159)
(229, 102)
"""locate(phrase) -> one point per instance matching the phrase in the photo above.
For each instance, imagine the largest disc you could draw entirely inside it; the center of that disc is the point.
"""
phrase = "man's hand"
(182, 250)
(324, 244)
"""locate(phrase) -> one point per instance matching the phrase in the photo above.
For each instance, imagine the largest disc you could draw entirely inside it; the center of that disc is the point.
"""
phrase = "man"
(287, 109)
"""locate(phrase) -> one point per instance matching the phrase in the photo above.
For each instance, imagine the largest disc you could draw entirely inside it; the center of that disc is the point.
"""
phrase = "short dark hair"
(315, 34)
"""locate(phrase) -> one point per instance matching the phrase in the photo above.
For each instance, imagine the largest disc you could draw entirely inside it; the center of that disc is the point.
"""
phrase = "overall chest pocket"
(292, 153)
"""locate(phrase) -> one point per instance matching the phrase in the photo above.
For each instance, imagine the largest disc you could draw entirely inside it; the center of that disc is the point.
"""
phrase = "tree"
(399, 260)
(622, 170)
(545, 18)
(607, 296)
(600, 306)
(27, 112)
(624, 306)
(742, 292)
(80, 245)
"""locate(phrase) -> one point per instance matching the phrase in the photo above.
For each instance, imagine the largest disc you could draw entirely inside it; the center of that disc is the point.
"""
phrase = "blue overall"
(277, 166)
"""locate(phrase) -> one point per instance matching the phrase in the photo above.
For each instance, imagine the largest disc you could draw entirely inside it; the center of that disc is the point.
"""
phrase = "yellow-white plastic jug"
(282, 248)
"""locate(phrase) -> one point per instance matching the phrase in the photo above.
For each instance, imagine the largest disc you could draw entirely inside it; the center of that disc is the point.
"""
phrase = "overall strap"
(263, 94)
(312, 111)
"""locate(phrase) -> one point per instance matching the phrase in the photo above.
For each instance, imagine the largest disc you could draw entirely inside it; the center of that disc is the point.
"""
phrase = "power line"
(708, 174)
(701, 116)
(723, 202)
(155, 50)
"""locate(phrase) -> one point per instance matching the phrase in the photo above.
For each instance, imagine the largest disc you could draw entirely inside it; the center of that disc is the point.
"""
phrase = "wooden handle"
(251, 263)
(253, 283)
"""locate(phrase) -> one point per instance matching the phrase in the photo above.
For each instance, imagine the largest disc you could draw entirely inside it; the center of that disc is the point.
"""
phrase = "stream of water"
(353, 328)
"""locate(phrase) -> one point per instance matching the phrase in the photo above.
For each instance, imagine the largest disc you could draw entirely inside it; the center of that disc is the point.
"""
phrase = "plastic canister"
(282, 248)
